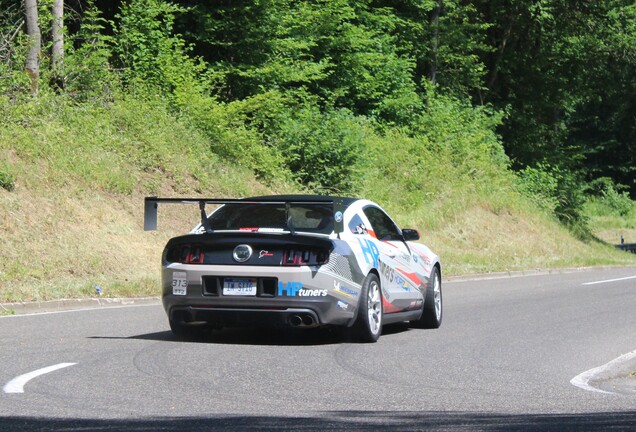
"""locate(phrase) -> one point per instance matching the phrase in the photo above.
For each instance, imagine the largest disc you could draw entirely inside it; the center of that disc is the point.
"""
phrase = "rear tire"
(368, 324)
(432, 314)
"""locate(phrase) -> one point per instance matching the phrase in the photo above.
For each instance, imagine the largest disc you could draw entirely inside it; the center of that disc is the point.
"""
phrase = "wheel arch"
(355, 314)
(375, 272)
(438, 265)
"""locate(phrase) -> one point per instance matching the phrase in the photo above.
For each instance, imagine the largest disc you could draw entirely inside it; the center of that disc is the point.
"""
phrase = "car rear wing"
(151, 209)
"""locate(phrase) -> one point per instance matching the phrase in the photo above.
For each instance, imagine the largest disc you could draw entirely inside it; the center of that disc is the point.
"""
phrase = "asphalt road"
(502, 360)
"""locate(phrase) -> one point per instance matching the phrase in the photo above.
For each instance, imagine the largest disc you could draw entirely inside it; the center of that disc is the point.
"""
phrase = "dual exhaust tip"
(296, 320)
(303, 320)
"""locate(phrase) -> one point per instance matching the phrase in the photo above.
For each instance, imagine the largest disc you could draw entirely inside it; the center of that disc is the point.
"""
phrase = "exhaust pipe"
(182, 316)
(295, 320)
(308, 320)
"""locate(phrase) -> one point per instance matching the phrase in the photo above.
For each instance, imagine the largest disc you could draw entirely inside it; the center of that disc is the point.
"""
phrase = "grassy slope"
(74, 219)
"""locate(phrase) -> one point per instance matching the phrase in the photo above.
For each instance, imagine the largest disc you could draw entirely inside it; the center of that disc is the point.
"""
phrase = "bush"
(324, 150)
(87, 72)
(558, 190)
(465, 133)
(7, 181)
(611, 196)
(286, 136)
(540, 186)
(13, 50)
(449, 161)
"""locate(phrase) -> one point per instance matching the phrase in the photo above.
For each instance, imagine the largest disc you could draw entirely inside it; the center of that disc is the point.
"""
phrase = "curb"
(24, 308)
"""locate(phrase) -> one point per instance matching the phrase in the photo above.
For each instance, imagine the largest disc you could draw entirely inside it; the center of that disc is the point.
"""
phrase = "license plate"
(179, 283)
(239, 287)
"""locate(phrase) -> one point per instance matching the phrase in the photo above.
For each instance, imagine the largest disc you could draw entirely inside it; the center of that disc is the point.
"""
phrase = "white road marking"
(37, 313)
(610, 280)
(583, 380)
(16, 385)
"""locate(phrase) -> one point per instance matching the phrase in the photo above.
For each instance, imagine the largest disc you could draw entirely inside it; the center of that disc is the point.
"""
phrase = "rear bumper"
(296, 297)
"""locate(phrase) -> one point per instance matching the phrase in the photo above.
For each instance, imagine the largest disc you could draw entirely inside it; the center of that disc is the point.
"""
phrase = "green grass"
(72, 218)
(611, 222)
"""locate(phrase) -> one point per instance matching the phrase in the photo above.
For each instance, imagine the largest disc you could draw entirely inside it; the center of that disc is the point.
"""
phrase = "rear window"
(315, 218)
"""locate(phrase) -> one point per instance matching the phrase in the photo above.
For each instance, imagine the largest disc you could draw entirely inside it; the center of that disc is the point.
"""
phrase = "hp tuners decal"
(295, 289)
(370, 251)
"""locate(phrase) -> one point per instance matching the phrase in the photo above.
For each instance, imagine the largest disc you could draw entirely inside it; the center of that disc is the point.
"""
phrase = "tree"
(344, 52)
(57, 35)
(35, 41)
(563, 70)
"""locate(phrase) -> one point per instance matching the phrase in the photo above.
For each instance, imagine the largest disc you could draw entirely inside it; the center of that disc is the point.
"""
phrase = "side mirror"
(410, 234)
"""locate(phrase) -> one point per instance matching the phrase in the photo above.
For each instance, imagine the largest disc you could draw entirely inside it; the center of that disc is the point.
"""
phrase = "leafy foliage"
(540, 186)
(7, 181)
(154, 58)
(563, 69)
(558, 190)
(323, 150)
(344, 52)
(422, 105)
(612, 197)
(335, 95)
(13, 48)
(87, 69)
(452, 162)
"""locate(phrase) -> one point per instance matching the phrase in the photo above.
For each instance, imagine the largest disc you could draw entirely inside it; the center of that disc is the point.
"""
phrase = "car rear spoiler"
(151, 206)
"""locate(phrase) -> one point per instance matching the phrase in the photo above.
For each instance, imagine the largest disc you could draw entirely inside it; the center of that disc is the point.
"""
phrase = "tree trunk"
(434, 23)
(35, 41)
(57, 35)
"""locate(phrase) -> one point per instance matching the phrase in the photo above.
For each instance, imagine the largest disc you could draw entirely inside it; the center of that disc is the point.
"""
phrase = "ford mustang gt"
(296, 260)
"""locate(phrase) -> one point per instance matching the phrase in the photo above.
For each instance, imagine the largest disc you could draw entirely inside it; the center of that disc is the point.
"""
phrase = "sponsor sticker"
(369, 251)
(338, 287)
(402, 283)
(295, 289)
(179, 283)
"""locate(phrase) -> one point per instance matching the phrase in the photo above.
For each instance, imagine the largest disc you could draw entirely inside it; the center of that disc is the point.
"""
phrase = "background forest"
(433, 108)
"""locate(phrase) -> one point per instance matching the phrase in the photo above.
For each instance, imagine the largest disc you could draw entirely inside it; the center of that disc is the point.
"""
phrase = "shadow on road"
(266, 336)
(336, 421)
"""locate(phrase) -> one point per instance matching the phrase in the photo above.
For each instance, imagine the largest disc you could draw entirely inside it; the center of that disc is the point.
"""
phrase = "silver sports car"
(297, 260)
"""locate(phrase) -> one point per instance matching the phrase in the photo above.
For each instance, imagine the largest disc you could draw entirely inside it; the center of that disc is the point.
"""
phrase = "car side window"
(382, 224)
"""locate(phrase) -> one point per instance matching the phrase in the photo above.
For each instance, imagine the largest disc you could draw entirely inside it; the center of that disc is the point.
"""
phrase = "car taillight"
(299, 257)
(186, 254)
(196, 255)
